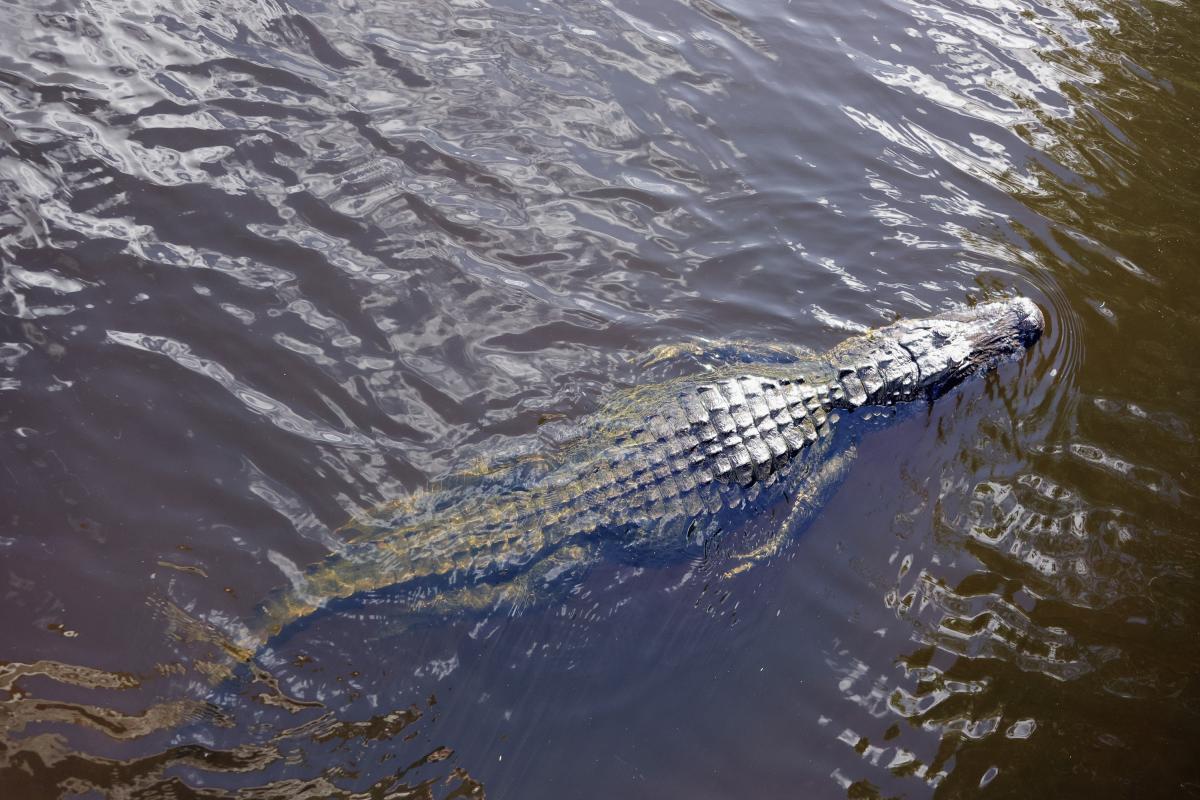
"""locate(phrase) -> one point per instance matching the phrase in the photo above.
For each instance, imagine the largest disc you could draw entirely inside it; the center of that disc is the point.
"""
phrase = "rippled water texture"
(268, 265)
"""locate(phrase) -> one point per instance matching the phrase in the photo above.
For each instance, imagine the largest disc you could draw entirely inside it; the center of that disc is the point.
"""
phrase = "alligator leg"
(773, 545)
(524, 589)
(504, 472)
(721, 352)
(486, 476)
(804, 505)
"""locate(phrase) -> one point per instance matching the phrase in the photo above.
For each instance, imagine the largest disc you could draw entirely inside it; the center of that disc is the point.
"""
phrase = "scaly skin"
(656, 466)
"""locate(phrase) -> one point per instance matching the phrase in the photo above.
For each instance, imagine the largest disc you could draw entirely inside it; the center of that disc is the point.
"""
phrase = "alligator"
(656, 469)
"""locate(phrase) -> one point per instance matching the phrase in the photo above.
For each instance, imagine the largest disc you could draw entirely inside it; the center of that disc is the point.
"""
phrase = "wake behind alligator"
(657, 468)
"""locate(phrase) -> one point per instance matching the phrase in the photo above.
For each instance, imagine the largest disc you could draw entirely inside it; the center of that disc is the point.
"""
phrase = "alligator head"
(951, 347)
(928, 357)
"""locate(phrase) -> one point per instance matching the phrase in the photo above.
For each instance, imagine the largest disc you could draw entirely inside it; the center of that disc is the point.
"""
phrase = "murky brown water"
(268, 265)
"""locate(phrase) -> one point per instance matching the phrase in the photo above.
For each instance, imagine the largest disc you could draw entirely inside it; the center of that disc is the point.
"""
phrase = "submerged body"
(655, 468)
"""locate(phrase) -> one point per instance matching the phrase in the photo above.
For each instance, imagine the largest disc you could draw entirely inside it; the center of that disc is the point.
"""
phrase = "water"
(269, 265)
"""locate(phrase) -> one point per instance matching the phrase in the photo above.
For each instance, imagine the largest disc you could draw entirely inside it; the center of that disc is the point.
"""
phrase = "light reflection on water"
(268, 266)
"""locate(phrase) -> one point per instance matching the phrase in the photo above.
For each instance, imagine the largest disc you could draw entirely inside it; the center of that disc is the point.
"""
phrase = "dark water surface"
(267, 265)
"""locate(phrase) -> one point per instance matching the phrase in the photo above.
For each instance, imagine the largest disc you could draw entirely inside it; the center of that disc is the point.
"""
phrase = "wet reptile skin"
(654, 467)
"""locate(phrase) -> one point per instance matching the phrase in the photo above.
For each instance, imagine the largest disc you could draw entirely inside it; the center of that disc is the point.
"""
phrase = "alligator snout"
(1030, 322)
(1015, 324)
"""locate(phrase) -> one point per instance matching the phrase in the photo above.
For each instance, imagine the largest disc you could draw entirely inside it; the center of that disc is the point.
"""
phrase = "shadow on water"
(267, 267)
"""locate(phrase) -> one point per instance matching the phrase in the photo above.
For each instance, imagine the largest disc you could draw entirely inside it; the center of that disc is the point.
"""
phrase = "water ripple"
(265, 267)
